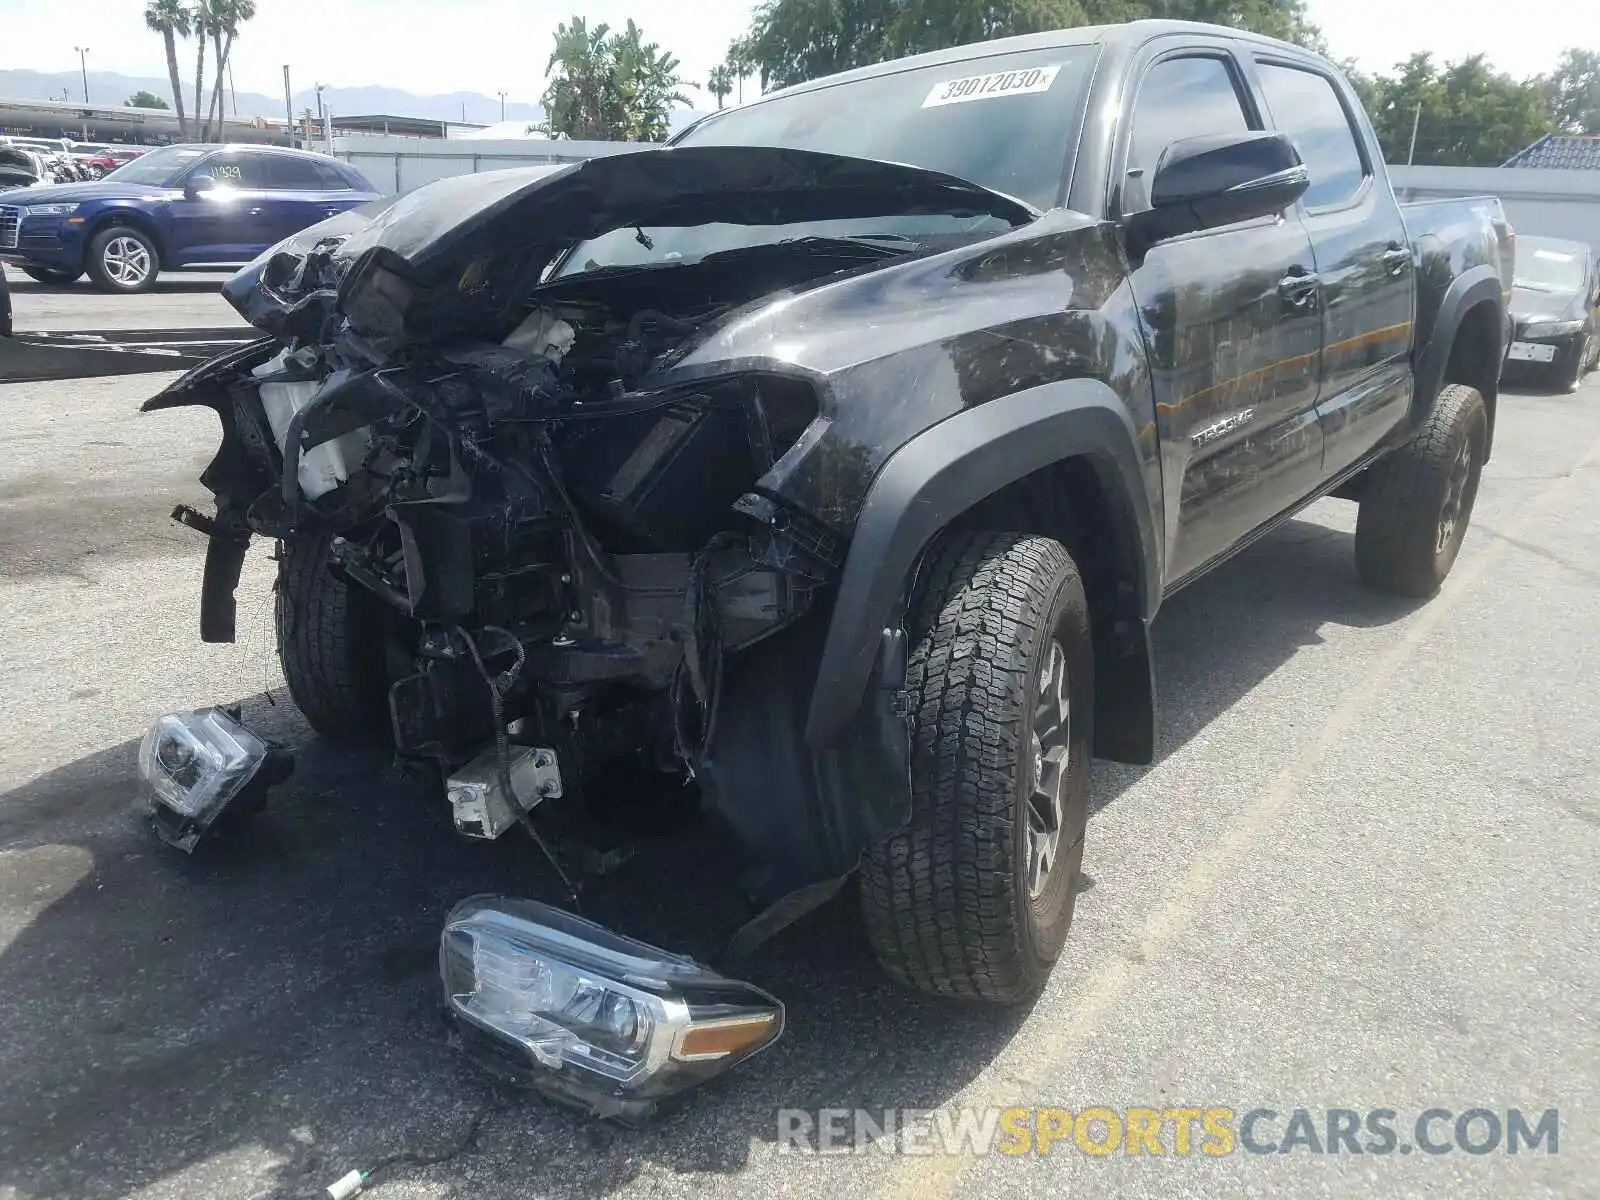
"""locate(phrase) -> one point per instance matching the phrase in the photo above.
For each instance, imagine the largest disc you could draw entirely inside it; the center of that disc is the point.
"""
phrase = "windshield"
(159, 168)
(1007, 122)
(1549, 266)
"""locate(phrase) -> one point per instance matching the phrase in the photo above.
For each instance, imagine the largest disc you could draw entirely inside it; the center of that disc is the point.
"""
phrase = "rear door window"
(286, 173)
(1306, 106)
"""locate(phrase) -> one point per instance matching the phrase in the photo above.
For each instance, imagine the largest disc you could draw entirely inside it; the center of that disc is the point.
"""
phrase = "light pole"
(502, 106)
(83, 66)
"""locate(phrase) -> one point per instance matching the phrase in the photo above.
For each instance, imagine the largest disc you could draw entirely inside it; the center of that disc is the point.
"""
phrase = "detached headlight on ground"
(588, 1016)
(194, 765)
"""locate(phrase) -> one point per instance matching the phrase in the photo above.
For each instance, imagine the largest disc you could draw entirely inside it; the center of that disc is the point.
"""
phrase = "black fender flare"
(1478, 285)
(229, 534)
(942, 473)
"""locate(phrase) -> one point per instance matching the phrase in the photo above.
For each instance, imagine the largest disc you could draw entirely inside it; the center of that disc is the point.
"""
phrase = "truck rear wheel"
(1418, 500)
(330, 639)
(973, 898)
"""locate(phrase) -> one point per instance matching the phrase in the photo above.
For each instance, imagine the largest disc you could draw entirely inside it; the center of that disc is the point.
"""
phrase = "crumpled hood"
(393, 249)
(69, 193)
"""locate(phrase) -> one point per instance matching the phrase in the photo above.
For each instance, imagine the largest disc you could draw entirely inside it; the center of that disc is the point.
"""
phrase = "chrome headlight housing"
(49, 210)
(194, 765)
(590, 1017)
(1546, 329)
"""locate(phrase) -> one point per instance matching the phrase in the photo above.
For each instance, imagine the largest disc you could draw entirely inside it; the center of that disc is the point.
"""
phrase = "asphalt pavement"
(179, 300)
(1361, 874)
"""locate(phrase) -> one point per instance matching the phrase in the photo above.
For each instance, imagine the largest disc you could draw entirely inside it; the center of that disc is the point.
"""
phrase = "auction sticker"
(1022, 82)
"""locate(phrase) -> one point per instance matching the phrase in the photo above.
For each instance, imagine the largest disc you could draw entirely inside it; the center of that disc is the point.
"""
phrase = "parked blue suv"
(179, 206)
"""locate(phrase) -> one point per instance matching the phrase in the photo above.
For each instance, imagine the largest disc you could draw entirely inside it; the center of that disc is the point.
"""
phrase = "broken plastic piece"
(542, 335)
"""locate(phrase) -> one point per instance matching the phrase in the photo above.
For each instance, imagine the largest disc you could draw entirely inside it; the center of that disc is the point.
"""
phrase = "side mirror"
(198, 185)
(1218, 179)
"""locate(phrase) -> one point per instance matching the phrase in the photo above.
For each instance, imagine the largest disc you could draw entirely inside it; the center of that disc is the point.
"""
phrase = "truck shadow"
(265, 1014)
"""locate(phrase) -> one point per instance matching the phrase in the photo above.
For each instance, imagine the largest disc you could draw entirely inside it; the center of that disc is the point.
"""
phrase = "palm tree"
(720, 83)
(170, 19)
(200, 22)
(227, 16)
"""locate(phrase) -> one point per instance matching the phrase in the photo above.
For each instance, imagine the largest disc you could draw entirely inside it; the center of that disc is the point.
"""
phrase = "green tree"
(790, 41)
(144, 99)
(1286, 19)
(720, 82)
(1464, 114)
(1573, 92)
(607, 86)
(170, 19)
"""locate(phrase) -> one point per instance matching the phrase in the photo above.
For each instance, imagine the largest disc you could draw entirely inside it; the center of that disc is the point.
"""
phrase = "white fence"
(1538, 202)
(399, 164)
(1544, 203)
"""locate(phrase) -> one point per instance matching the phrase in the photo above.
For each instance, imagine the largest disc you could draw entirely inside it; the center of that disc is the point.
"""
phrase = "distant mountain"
(111, 87)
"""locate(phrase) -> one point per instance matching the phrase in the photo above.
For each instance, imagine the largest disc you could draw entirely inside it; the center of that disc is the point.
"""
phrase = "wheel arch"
(132, 218)
(1061, 460)
(1467, 345)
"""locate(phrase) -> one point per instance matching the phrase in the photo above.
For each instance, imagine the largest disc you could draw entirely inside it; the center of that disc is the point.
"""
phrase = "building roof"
(1560, 151)
(391, 124)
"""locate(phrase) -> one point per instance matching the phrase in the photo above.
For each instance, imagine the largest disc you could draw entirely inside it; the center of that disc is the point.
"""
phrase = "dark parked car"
(179, 206)
(1555, 306)
(834, 467)
(18, 167)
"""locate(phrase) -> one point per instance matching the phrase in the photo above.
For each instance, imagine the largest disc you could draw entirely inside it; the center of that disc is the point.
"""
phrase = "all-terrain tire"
(1418, 501)
(949, 901)
(331, 643)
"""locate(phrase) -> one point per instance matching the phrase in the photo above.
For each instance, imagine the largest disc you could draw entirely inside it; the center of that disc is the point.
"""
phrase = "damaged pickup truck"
(833, 461)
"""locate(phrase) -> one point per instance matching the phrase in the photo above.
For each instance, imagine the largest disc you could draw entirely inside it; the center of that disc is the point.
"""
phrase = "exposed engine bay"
(498, 415)
(522, 510)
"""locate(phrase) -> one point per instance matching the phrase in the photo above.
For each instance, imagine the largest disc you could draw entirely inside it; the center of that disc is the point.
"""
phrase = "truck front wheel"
(330, 640)
(1418, 500)
(973, 898)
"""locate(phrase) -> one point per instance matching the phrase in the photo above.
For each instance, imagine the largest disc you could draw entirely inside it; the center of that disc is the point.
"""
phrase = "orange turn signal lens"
(729, 1035)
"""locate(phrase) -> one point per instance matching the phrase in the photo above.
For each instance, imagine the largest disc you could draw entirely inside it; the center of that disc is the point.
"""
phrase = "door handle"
(255, 212)
(1396, 259)
(1299, 288)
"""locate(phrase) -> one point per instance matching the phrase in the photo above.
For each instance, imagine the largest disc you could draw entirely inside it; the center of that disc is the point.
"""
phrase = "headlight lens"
(49, 210)
(588, 1016)
(1541, 329)
(193, 765)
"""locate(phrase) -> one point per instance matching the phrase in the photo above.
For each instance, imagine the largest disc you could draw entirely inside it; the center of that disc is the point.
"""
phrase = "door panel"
(1235, 367)
(1364, 259)
(231, 223)
(300, 194)
(1233, 328)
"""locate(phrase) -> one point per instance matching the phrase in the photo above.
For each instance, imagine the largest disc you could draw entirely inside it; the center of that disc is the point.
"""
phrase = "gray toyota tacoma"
(833, 462)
